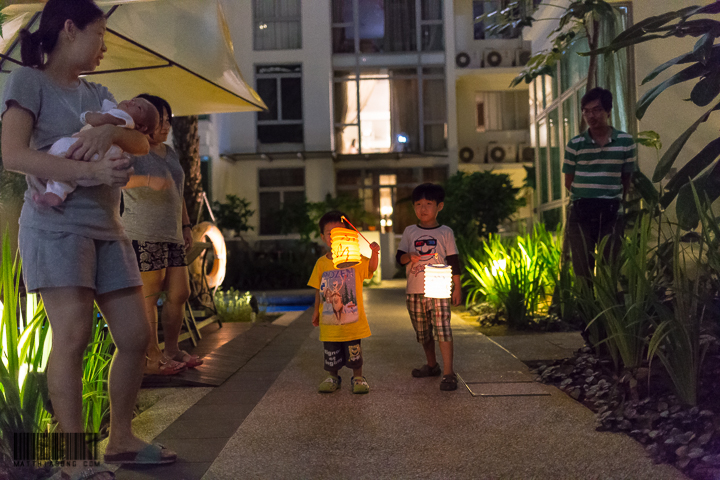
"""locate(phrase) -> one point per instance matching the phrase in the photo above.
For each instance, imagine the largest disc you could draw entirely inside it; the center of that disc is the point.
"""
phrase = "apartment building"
(366, 98)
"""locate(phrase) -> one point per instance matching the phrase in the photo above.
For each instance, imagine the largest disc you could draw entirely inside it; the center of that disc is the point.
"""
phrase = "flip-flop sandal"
(86, 473)
(171, 367)
(194, 360)
(153, 454)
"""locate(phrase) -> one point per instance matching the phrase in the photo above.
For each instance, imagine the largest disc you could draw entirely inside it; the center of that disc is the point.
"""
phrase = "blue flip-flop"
(153, 454)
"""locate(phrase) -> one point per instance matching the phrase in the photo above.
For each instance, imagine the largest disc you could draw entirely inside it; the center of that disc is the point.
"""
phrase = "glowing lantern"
(438, 281)
(345, 247)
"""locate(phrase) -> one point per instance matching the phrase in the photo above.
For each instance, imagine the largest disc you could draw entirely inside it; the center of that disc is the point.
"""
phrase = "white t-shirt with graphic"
(434, 245)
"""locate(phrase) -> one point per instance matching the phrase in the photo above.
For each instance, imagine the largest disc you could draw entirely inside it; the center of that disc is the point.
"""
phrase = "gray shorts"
(60, 259)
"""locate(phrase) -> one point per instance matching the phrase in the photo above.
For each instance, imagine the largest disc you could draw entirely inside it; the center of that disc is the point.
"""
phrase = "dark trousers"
(590, 220)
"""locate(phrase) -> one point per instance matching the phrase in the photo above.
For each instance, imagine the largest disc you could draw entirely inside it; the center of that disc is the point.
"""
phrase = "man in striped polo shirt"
(598, 166)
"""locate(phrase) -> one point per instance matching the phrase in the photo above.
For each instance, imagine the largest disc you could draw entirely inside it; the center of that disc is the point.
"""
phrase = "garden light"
(345, 247)
(438, 281)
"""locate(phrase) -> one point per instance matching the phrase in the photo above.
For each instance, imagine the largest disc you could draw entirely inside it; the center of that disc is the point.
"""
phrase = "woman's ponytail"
(34, 45)
(30, 48)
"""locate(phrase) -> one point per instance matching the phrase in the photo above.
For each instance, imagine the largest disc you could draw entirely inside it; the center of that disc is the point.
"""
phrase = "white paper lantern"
(438, 281)
(345, 247)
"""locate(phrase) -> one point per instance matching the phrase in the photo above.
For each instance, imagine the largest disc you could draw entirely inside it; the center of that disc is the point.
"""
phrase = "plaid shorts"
(426, 313)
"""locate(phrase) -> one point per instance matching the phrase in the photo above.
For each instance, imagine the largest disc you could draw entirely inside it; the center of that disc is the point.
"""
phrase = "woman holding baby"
(77, 253)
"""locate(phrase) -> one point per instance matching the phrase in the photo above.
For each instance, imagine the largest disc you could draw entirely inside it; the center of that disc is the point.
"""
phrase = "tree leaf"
(649, 138)
(709, 184)
(645, 188)
(703, 47)
(691, 169)
(684, 58)
(693, 71)
(650, 23)
(706, 89)
(667, 160)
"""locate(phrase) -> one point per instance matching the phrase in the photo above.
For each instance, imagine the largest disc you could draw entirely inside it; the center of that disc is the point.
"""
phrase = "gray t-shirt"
(433, 244)
(152, 215)
(92, 212)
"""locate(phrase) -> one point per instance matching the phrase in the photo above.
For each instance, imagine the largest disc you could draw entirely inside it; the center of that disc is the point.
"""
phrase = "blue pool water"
(283, 304)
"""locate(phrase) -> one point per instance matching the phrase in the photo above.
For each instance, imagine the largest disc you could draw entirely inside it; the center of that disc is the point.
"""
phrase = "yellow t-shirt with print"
(342, 314)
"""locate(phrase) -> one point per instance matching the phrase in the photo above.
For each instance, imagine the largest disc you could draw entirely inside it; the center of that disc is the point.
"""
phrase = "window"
(277, 24)
(502, 110)
(481, 7)
(390, 110)
(276, 187)
(386, 192)
(280, 87)
(381, 26)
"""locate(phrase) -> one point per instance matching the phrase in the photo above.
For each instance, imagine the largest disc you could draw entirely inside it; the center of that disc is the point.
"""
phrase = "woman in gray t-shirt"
(157, 222)
(77, 254)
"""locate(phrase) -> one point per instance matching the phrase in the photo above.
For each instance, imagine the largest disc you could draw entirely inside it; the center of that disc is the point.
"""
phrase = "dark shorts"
(342, 354)
(152, 256)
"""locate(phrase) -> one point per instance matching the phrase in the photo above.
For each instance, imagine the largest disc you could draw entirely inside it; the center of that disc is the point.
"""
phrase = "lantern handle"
(353, 226)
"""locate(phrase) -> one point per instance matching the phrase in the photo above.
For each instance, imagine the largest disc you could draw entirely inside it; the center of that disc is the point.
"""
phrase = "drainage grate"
(523, 388)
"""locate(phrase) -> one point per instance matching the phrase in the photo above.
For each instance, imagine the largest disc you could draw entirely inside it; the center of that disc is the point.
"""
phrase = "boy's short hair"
(429, 191)
(333, 216)
(598, 93)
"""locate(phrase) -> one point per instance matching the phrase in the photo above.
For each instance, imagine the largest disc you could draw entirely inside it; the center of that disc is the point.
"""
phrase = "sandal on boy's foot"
(88, 473)
(330, 384)
(448, 383)
(426, 371)
(190, 361)
(359, 385)
(152, 454)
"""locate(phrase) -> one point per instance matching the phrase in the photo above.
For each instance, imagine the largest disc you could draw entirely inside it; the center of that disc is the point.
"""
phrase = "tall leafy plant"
(25, 349)
(96, 367)
(701, 67)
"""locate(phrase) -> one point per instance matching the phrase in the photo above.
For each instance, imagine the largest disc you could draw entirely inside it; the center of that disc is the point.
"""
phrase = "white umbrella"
(180, 50)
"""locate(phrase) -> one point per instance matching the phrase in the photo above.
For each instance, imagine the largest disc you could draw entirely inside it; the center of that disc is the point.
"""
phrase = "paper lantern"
(345, 247)
(438, 281)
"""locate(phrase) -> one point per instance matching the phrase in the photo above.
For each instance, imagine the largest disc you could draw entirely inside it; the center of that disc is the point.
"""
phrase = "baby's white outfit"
(60, 148)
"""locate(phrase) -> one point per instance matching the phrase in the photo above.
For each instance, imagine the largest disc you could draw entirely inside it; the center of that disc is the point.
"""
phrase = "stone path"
(268, 421)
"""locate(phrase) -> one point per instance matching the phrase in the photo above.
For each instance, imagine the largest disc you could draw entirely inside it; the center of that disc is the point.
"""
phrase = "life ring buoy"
(466, 154)
(201, 232)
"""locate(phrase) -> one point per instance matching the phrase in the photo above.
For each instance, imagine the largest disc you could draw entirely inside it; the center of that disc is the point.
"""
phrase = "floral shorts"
(153, 256)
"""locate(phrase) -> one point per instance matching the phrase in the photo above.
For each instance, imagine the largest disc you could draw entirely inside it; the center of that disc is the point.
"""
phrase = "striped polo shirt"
(598, 170)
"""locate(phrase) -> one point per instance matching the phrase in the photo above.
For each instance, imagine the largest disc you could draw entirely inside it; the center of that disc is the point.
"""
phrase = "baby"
(137, 113)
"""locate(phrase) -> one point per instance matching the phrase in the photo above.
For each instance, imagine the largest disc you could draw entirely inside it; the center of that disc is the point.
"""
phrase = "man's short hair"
(333, 216)
(429, 191)
(598, 93)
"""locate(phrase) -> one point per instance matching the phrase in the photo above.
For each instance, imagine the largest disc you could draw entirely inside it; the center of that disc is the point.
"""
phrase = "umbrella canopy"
(180, 50)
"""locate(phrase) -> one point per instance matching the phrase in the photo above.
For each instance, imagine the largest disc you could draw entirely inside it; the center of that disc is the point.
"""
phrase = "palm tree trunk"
(187, 144)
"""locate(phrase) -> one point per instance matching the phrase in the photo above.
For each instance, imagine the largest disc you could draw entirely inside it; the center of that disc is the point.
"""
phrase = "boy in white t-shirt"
(429, 243)
(137, 114)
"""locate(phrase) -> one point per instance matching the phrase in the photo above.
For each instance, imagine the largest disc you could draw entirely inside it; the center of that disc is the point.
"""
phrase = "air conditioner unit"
(463, 59)
(501, 153)
(497, 58)
(526, 153)
(522, 57)
(466, 154)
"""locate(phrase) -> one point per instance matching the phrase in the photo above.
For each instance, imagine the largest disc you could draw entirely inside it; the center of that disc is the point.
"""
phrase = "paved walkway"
(268, 421)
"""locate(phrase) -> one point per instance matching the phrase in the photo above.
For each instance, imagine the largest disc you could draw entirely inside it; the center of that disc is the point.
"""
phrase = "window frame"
(420, 77)
(278, 76)
(282, 190)
(419, 24)
(257, 21)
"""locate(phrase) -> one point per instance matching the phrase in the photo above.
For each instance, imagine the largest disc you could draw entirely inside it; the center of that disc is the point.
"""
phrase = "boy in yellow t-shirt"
(342, 320)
